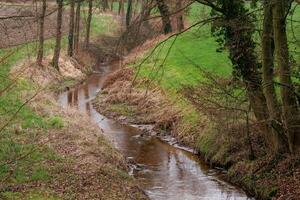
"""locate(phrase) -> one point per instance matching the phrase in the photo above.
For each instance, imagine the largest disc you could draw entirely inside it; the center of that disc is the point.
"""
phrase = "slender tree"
(145, 12)
(112, 6)
(58, 34)
(289, 102)
(88, 24)
(278, 138)
(105, 5)
(179, 17)
(77, 26)
(128, 13)
(165, 16)
(71, 28)
(40, 53)
(121, 7)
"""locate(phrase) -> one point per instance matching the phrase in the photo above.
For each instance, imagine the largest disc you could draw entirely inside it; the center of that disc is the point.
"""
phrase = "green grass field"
(181, 63)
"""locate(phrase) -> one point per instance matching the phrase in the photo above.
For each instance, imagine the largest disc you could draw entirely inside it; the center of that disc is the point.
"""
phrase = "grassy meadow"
(180, 61)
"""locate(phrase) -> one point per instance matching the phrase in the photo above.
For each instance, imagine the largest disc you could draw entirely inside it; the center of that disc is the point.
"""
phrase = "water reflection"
(166, 172)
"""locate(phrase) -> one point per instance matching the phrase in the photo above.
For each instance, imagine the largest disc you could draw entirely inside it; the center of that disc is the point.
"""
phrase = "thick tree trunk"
(289, 101)
(165, 16)
(77, 27)
(278, 139)
(40, 53)
(71, 29)
(179, 17)
(239, 29)
(129, 13)
(88, 24)
(58, 34)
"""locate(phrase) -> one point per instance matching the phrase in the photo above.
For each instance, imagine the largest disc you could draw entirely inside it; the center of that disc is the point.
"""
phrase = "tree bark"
(277, 140)
(165, 16)
(112, 6)
(129, 13)
(57, 49)
(179, 17)
(40, 53)
(145, 12)
(105, 5)
(77, 26)
(238, 30)
(121, 7)
(289, 102)
(88, 24)
(71, 29)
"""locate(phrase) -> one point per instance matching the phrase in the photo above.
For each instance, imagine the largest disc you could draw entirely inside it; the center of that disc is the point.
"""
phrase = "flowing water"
(165, 171)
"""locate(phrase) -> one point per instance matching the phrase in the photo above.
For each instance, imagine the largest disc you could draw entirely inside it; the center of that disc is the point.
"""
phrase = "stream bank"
(267, 177)
(163, 171)
(70, 158)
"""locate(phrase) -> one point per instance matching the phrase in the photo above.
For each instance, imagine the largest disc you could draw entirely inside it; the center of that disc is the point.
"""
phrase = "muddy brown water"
(165, 171)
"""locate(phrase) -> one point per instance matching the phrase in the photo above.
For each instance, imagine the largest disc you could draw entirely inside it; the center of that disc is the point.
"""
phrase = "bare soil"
(18, 23)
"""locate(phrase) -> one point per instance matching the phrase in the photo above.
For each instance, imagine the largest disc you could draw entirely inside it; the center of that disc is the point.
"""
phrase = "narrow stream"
(166, 172)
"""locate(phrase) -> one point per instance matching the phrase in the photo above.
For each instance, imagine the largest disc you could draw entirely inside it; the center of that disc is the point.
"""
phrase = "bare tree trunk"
(121, 7)
(179, 17)
(105, 5)
(289, 101)
(129, 13)
(277, 139)
(40, 53)
(165, 16)
(71, 29)
(58, 34)
(88, 25)
(112, 6)
(77, 26)
(145, 12)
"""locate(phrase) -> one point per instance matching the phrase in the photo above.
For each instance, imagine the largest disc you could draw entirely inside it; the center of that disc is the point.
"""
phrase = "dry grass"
(139, 104)
(99, 170)
(220, 135)
(44, 75)
(89, 168)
